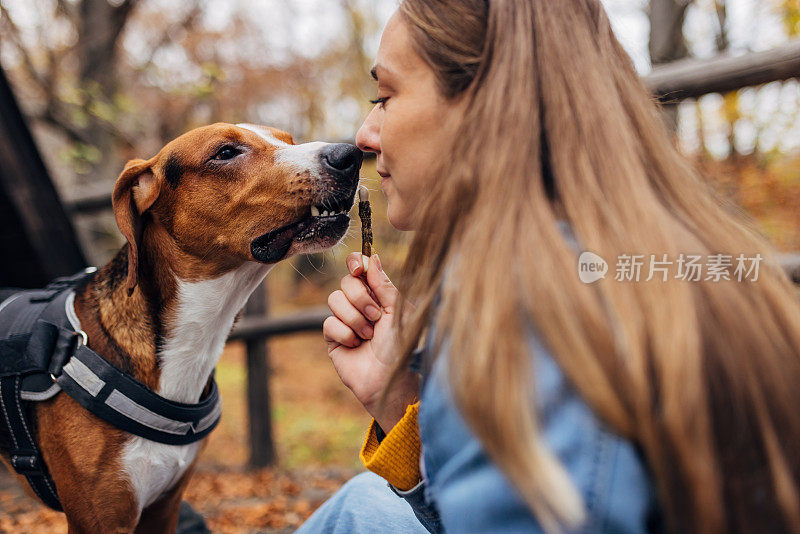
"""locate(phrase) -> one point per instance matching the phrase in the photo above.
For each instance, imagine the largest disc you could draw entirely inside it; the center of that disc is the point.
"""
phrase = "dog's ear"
(134, 193)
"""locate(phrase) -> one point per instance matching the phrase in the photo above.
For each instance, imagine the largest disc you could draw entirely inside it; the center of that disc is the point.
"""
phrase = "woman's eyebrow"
(377, 69)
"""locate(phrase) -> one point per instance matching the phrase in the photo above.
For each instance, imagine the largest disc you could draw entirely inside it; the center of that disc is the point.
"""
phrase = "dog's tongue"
(272, 247)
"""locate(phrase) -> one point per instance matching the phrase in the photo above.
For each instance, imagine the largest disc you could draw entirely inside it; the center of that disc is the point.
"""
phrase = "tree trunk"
(99, 24)
(731, 100)
(667, 42)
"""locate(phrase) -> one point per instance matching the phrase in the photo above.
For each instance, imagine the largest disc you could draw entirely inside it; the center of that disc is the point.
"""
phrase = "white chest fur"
(194, 340)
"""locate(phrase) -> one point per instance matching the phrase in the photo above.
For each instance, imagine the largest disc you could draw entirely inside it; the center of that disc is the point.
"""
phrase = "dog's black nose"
(342, 159)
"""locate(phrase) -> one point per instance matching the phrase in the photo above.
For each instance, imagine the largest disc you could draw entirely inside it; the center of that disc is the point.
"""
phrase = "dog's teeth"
(314, 211)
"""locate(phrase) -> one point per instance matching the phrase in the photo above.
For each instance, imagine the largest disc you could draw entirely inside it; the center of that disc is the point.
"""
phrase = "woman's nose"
(368, 137)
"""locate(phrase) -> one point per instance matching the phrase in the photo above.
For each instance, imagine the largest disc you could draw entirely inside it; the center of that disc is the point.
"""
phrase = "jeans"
(364, 505)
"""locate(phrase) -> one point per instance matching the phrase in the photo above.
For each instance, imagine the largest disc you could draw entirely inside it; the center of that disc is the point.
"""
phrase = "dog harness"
(43, 351)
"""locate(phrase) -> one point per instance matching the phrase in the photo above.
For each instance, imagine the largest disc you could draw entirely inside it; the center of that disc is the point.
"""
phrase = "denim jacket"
(462, 491)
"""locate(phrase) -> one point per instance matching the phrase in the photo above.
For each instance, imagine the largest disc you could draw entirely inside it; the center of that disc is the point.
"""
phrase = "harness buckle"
(83, 337)
(26, 464)
(79, 337)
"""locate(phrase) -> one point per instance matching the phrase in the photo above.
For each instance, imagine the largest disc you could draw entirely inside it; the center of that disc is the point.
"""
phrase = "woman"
(511, 135)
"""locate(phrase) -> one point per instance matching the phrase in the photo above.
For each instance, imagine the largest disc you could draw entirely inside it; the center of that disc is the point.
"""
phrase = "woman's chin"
(393, 220)
(400, 221)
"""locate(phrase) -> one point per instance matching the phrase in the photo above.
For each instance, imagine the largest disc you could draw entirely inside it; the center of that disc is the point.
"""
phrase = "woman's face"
(409, 128)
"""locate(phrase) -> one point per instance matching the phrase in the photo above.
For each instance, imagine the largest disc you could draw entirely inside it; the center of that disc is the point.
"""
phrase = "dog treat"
(365, 213)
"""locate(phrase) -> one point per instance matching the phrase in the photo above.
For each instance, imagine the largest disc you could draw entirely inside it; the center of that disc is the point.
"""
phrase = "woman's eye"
(382, 101)
(227, 152)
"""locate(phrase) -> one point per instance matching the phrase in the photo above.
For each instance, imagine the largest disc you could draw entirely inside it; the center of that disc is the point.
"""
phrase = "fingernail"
(365, 262)
(373, 313)
(377, 261)
(366, 332)
(352, 265)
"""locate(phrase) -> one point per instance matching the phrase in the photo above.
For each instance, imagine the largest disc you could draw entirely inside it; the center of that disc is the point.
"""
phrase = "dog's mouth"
(321, 228)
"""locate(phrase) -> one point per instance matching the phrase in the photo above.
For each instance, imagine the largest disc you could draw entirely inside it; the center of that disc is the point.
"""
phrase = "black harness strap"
(25, 456)
(117, 398)
(41, 354)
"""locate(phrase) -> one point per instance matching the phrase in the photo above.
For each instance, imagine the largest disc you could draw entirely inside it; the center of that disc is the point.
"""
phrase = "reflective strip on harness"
(40, 396)
(129, 405)
(83, 376)
(9, 300)
(142, 415)
(211, 419)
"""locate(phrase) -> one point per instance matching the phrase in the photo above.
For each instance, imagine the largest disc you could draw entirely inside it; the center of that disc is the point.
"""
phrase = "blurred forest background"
(104, 81)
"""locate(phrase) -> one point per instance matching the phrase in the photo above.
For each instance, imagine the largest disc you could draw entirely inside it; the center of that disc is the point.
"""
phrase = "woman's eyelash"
(381, 100)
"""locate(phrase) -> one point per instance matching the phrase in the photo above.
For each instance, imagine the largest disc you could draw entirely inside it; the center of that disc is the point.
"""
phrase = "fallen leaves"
(262, 501)
(231, 501)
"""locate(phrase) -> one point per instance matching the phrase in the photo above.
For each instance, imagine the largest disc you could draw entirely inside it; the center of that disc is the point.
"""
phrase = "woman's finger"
(381, 286)
(348, 314)
(336, 332)
(359, 296)
(354, 265)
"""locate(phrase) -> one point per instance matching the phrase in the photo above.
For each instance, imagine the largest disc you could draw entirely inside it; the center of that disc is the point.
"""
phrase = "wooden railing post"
(259, 415)
(37, 238)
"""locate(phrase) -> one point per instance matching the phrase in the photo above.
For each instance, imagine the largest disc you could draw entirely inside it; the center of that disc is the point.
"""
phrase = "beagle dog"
(205, 220)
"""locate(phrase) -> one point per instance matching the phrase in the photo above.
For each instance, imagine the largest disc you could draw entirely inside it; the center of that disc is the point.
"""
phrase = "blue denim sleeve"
(472, 495)
(416, 497)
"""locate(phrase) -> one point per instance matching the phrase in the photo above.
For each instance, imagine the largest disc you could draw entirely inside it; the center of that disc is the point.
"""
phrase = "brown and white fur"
(201, 231)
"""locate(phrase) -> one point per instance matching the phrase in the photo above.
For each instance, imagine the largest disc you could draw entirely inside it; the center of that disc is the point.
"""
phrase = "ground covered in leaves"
(318, 428)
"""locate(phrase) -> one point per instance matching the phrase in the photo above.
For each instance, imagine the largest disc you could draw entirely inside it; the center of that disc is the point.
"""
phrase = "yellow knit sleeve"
(396, 458)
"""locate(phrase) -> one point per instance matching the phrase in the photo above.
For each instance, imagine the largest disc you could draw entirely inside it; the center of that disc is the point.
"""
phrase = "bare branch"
(55, 115)
(120, 17)
(185, 23)
(14, 34)
(51, 118)
(722, 40)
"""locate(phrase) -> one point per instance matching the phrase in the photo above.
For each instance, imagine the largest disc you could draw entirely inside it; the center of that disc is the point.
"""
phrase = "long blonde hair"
(703, 376)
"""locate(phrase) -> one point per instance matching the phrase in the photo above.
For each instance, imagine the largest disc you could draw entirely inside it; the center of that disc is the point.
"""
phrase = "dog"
(205, 220)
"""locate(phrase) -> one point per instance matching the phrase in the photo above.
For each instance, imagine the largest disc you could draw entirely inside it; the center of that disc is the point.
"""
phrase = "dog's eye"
(227, 152)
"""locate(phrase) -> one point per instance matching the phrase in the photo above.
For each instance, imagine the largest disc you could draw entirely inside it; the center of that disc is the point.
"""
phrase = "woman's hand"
(361, 341)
